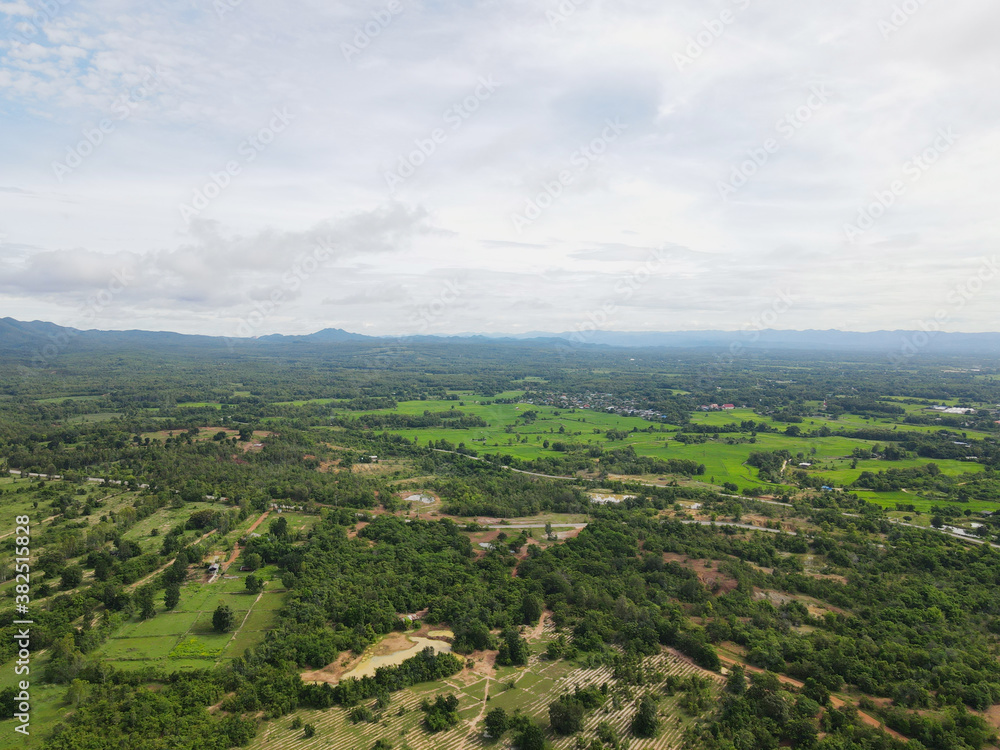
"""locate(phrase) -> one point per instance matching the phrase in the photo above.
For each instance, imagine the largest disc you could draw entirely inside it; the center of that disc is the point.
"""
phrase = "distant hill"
(830, 340)
(331, 335)
(31, 337)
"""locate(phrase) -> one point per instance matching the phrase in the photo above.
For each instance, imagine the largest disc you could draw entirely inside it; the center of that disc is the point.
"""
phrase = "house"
(728, 407)
(213, 568)
(805, 465)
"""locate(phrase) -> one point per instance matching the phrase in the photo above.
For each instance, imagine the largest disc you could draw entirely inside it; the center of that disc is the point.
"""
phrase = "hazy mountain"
(35, 336)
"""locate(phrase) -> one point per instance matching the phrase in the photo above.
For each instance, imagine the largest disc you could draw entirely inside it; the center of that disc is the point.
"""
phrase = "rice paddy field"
(724, 457)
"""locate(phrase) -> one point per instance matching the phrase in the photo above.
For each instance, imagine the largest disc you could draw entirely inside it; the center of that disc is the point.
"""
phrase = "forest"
(220, 542)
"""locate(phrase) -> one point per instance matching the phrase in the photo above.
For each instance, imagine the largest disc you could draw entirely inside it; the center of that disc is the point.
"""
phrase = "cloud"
(736, 108)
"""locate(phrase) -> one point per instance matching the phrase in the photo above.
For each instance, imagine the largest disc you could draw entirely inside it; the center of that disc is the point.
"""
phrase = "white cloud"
(407, 90)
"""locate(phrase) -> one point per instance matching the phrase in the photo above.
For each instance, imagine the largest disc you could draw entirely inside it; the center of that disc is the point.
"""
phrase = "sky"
(393, 167)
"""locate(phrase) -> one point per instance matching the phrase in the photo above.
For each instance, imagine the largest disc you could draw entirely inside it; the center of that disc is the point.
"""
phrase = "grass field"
(724, 457)
(184, 638)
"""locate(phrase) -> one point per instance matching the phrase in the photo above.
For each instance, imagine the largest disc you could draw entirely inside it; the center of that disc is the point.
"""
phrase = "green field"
(509, 434)
(184, 638)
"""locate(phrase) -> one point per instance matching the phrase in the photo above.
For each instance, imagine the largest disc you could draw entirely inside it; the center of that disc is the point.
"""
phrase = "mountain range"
(35, 336)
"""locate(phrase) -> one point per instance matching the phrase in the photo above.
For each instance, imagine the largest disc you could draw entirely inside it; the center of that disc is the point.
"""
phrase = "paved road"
(739, 526)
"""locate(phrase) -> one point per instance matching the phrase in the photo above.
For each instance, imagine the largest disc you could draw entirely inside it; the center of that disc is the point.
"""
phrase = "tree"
(172, 596)
(531, 609)
(802, 733)
(736, 683)
(566, 715)
(308, 731)
(814, 689)
(513, 649)
(382, 745)
(497, 722)
(441, 714)
(75, 694)
(8, 703)
(646, 723)
(144, 598)
(252, 561)
(72, 576)
(531, 738)
(223, 618)
(279, 527)
(254, 584)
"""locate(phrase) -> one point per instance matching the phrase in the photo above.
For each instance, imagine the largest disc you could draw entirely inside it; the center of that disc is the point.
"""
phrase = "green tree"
(646, 723)
(531, 738)
(223, 618)
(144, 600)
(497, 722)
(254, 584)
(72, 576)
(513, 649)
(736, 683)
(172, 596)
(531, 609)
(566, 715)
(279, 527)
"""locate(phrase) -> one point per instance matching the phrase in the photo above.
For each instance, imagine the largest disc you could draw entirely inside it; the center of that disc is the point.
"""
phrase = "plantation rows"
(542, 682)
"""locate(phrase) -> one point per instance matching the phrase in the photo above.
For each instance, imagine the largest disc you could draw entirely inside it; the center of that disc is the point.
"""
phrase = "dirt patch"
(816, 608)
(711, 578)
(346, 661)
(420, 498)
(992, 716)
(382, 467)
(353, 533)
